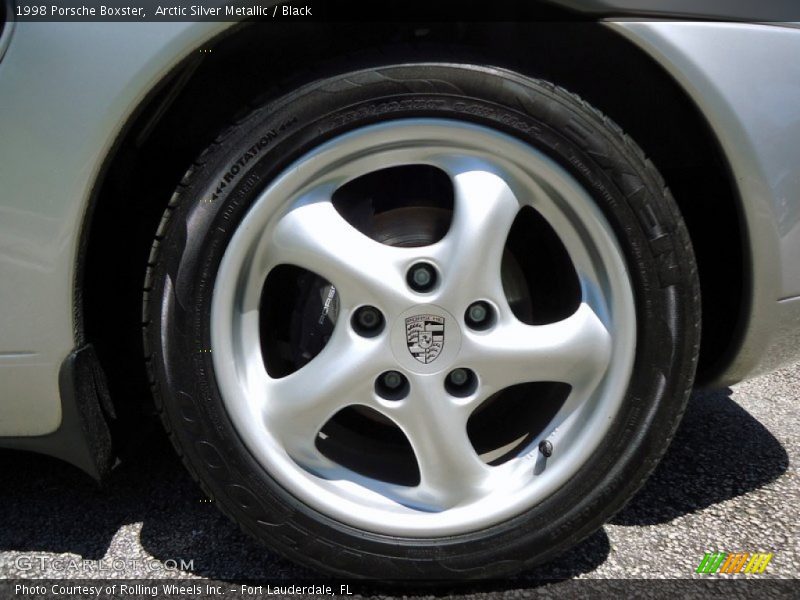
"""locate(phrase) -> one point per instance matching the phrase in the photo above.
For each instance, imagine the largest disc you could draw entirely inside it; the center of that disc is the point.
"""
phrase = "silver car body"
(66, 92)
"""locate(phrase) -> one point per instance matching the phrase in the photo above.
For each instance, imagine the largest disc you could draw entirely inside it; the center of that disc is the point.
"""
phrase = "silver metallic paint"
(745, 78)
(66, 91)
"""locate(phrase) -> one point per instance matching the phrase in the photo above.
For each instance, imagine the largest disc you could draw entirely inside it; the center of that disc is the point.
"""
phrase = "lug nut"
(460, 382)
(368, 321)
(392, 380)
(368, 317)
(479, 315)
(391, 385)
(458, 377)
(421, 277)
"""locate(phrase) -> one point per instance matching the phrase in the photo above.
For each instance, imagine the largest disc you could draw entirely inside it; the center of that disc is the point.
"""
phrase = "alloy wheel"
(418, 340)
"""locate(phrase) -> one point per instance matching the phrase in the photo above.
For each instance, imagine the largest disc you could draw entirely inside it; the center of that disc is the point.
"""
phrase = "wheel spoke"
(298, 405)
(313, 235)
(451, 473)
(576, 350)
(472, 250)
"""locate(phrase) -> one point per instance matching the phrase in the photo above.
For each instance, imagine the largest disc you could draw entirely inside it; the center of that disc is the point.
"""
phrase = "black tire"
(193, 235)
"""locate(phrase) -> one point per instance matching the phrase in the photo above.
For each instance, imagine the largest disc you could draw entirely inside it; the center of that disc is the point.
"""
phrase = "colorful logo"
(736, 562)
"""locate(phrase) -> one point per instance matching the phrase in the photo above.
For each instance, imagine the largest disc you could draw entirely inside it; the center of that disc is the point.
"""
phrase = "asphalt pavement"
(728, 483)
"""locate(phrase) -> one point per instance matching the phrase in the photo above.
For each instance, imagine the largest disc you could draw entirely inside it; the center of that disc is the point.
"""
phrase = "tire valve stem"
(546, 448)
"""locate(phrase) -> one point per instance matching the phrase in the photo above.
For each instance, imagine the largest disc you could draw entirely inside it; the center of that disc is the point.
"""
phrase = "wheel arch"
(185, 110)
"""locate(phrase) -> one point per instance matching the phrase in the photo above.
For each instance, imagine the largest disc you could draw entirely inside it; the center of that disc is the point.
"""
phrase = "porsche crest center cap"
(426, 339)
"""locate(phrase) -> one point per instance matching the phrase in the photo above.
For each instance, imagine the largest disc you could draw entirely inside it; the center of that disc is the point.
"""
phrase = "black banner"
(400, 10)
(201, 589)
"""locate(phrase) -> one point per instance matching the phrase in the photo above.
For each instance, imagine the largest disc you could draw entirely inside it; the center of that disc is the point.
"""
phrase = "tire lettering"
(251, 153)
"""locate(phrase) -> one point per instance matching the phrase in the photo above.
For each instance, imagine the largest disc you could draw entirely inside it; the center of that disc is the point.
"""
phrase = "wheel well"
(251, 64)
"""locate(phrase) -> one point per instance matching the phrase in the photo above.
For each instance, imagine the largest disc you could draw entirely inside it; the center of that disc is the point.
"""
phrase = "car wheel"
(424, 321)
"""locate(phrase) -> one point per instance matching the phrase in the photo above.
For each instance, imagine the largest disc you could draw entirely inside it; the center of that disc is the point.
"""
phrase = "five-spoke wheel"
(422, 321)
(423, 335)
